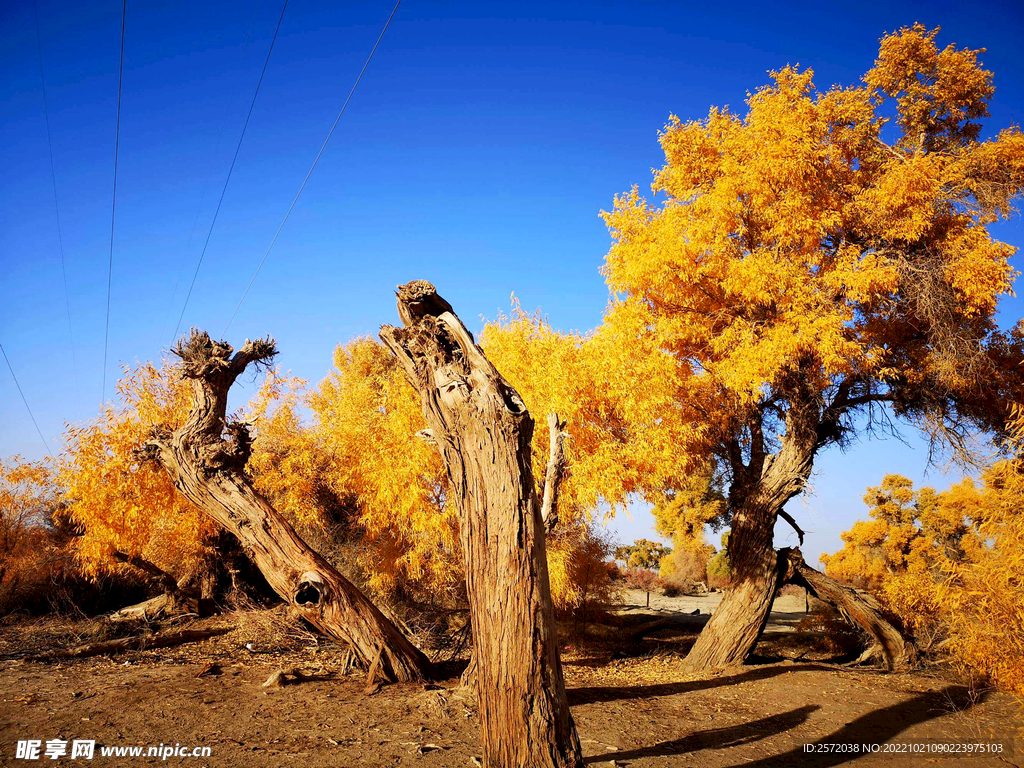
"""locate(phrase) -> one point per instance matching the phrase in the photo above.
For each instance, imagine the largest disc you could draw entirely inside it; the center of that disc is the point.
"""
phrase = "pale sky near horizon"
(478, 151)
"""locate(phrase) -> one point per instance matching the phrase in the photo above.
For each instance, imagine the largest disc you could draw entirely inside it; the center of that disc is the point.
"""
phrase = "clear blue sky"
(478, 151)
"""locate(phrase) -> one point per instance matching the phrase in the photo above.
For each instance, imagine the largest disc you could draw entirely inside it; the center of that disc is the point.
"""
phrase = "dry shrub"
(684, 570)
(272, 629)
(580, 568)
(642, 579)
(792, 590)
(832, 633)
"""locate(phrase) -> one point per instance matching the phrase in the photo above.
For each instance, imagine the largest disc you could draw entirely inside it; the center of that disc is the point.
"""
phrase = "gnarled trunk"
(856, 606)
(483, 432)
(759, 491)
(209, 470)
(736, 624)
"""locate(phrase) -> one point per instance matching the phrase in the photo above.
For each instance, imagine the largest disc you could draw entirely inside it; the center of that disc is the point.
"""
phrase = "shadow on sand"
(717, 738)
(578, 696)
(876, 727)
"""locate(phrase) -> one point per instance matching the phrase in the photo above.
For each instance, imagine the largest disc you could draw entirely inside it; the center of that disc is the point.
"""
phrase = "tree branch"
(155, 572)
(789, 519)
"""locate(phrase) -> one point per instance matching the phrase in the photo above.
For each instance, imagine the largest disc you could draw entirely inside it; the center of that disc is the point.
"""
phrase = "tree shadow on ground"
(593, 695)
(877, 727)
(718, 738)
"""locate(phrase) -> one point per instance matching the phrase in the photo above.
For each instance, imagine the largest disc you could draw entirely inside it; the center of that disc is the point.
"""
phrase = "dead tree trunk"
(859, 608)
(206, 459)
(553, 474)
(557, 464)
(483, 432)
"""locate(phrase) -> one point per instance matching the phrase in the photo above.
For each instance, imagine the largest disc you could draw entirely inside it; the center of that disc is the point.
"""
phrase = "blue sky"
(483, 142)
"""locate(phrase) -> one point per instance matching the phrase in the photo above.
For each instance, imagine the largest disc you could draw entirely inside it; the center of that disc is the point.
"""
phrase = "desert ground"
(634, 706)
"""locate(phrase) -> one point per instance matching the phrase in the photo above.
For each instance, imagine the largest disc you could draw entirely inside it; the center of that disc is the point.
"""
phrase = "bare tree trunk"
(859, 608)
(483, 432)
(553, 474)
(208, 468)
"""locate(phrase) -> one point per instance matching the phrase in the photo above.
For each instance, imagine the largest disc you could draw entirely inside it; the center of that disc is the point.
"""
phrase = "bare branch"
(789, 519)
(155, 572)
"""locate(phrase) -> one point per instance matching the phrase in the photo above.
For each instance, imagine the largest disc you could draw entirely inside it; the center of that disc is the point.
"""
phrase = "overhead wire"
(312, 167)
(25, 401)
(56, 204)
(113, 204)
(227, 180)
(209, 175)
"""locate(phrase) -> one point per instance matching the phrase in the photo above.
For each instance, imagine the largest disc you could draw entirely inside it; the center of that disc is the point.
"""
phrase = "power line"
(113, 203)
(27, 407)
(313, 166)
(209, 175)
(230, 171)
(56, 203)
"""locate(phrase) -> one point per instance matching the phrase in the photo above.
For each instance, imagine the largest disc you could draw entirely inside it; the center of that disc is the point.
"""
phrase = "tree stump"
(483, 431)
(206, 459)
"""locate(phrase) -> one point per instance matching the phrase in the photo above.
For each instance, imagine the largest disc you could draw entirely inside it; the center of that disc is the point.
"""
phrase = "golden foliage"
(579, 566)
(365, 419)
(793, 254)
(123, 506)
(571, 374)
(949, 564)
(28, 498)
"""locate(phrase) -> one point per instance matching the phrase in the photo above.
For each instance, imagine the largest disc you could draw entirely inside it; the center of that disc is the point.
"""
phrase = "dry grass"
(271, 630)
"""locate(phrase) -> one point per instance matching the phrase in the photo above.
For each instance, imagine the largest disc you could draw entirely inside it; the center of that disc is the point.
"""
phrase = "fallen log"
(679, 621)
(862, 610)
(134, 643)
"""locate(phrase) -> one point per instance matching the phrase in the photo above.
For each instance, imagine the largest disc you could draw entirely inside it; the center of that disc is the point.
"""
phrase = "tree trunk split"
(856, 606)
(206, 458)
(483, 431)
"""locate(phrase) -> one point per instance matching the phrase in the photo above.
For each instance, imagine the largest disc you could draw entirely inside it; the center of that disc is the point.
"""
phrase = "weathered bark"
(483, 432)
(758, 493)
(136, 643)
(208, 468)
(737, 623)
(553, 474)
(556, 467)
(859, 608)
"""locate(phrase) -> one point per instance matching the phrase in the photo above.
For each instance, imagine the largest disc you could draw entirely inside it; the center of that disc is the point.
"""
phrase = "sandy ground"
(642, 711)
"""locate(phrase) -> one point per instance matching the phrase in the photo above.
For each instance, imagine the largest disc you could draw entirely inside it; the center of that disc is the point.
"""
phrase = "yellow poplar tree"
(806, 264)
(949, 564)
(121, 508)
(366, 419)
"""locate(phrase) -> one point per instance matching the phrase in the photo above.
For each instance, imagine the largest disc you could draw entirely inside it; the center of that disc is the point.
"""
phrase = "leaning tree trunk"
(483, 432)
(736, 624)
(208, 468)
(856, 606)
(759, 492)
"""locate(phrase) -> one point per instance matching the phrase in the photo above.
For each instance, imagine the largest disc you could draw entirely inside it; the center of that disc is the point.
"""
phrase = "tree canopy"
(816, 254)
